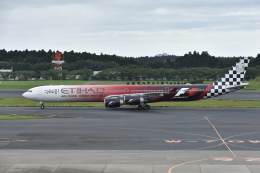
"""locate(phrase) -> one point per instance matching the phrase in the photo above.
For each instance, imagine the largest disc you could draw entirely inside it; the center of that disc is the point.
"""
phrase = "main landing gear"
(143, 106)
(42, 105)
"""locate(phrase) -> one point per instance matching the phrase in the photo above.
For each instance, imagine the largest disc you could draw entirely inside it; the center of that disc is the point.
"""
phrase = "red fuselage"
(97, 93)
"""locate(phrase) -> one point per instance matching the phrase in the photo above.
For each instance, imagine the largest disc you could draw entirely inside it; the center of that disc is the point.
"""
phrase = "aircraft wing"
(144, 95)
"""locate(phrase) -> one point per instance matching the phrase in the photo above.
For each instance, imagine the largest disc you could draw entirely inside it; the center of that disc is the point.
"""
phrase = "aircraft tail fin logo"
(236, 74)
(233, 77)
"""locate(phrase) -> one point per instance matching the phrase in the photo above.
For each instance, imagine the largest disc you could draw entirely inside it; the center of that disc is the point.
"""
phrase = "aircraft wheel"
(42, 106)
(146, 107)
(139, 107)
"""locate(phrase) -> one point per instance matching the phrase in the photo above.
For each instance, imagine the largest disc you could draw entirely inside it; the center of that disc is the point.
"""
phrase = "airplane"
(140, 95)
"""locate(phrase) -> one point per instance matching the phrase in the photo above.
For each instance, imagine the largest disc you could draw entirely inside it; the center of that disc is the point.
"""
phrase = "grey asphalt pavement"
(239, 95)
(11, 93)
(131, 140)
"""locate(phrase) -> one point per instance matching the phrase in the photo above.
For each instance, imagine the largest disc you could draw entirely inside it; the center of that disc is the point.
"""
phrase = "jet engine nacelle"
(113, 102)
(133, 100)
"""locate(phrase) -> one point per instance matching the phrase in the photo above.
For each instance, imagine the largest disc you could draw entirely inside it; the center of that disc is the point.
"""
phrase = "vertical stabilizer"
(236, 74)
(232, 79)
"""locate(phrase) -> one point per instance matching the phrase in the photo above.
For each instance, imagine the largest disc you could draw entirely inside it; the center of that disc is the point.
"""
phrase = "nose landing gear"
(143, 106)
(42, 105)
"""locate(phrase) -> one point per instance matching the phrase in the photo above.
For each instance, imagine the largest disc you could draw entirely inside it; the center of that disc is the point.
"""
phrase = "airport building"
(4, 72)
(96, 72)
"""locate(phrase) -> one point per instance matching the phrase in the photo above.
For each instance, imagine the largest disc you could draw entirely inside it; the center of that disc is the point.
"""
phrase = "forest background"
(191, 66)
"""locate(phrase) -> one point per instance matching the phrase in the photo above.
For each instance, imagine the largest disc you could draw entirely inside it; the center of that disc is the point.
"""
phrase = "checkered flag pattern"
(233, 77)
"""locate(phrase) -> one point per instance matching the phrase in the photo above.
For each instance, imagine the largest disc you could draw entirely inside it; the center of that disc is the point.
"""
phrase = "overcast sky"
(132, 27)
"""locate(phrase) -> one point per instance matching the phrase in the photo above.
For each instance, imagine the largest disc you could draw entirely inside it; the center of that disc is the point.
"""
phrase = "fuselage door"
(166, 90)
(39, 91)
(125, 91)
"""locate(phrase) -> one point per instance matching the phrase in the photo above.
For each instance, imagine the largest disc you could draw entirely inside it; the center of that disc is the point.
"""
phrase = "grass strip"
(16, 117)
(23, 102)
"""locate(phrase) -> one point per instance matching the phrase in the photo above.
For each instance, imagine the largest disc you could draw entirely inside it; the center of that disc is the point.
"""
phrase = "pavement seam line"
(104, 168)
(220, 137)
(249, 169)
(58, 167)
(200, 168)
(9, 168)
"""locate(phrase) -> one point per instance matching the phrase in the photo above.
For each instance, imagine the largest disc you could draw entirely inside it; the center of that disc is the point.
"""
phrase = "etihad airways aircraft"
(117, 95)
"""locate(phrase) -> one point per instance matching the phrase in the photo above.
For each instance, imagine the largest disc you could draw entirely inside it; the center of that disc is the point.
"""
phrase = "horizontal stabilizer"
(243, 85)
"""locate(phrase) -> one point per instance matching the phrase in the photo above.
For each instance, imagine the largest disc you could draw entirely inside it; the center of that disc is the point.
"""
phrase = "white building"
(96, 72)
(6, 71)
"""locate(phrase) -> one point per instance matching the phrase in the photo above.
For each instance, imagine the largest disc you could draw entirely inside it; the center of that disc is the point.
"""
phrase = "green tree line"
(189, 66)
(83, 74)
(132, 73)
(27, 60)
(189, 74)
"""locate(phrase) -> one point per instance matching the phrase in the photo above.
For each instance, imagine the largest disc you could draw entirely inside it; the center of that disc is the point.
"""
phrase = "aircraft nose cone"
(24, 95)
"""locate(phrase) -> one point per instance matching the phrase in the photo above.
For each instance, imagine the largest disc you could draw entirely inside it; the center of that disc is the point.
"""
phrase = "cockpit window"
(29, 91)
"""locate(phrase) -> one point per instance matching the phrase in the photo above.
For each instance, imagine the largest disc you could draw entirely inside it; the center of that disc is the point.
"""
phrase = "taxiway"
(130, 140)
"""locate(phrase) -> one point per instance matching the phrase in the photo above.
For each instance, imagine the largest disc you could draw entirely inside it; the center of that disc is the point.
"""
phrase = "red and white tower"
(58, 61)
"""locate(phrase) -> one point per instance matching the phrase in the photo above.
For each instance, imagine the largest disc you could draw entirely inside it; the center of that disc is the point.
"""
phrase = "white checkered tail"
(231, 81)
